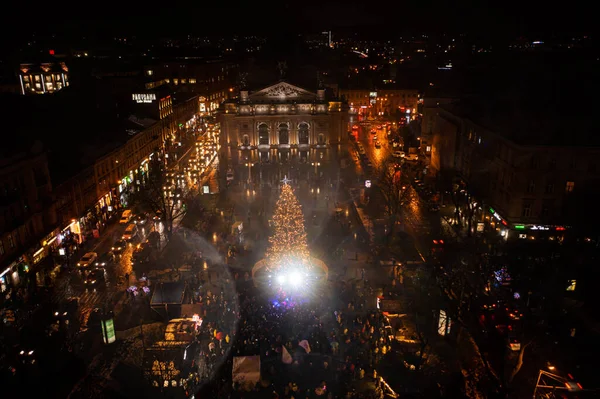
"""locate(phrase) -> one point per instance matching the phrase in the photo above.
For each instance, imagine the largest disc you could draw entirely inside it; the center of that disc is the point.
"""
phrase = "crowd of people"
(323, 344)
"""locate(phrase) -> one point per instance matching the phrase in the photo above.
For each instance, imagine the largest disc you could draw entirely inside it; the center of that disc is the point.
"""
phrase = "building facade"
(281, 119)
(523, 186)
(43, 78)
(381, 102)
(215, 80)
(26, 214)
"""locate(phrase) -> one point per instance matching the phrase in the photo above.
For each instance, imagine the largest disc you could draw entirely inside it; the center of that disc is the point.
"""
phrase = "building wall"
(43, 78)
(216, 81)
(387, 100)
(333, 125)
(524, 184)
(26, 209)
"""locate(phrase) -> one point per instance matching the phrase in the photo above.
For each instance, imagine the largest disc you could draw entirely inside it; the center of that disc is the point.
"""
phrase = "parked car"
(94, 278)
(140, 219)
(118, 247)
(130, 232)
(399, 154)
(126, 216)
(104, 260)
(87, 259)
(412, 157)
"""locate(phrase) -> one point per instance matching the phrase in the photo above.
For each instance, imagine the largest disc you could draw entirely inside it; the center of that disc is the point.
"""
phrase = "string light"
(288, 246)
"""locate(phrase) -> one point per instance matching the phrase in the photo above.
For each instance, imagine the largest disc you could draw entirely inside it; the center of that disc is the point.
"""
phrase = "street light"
(249, 165)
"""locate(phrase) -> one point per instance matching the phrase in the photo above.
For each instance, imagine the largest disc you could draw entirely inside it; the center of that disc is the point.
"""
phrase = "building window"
(263, 134)
(531, 186)
(246, 140)
(1, 248)
(176, 81)
(11, 241)
(192, 81)
(149, 72)
(570, 186)
(592, 167)
(303, 134)
(533, 163)
(183, 81)
(321, 139)
(526, 209)
(284, 134)
(573, 164)
(36, 78)
(26, 78)
(550, 188)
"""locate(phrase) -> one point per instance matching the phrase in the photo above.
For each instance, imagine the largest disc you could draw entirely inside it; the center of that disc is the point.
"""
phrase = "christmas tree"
(287, 245)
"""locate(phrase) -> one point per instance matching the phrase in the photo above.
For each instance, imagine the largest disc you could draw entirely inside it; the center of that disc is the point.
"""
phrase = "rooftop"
(541, 102)
(71, 127)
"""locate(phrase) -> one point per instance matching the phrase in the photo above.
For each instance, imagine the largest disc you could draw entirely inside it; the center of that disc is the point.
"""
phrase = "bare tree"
(162, 194)
(465, 283)
(393, 192)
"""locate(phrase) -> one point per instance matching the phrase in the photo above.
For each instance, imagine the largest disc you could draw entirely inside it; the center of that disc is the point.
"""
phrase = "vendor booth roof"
(168, 293)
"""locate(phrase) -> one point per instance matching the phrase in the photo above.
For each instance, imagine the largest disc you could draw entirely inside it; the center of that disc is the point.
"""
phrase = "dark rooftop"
(73, 127)
(535, 101)
(171, 293)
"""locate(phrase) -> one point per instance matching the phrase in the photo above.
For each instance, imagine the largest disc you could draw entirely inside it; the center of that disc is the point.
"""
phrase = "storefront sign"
(538, 227)
(144, 98)
(480, 227)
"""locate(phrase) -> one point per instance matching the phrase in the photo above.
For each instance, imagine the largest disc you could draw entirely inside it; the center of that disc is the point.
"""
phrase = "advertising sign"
(108, 331)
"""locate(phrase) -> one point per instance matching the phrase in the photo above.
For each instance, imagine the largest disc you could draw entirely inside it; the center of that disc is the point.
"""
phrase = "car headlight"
(78, 264)
(103, 263)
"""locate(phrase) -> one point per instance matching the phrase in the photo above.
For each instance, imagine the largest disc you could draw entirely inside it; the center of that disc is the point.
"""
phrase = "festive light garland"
(288, 245)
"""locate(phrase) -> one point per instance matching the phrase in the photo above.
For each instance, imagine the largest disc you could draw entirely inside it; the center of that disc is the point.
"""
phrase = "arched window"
(245, 140)
(263, 134)
(321, 139)
(284, 134)
(303, 134)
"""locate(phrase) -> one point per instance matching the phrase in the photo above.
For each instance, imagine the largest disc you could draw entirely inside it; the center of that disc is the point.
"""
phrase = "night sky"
(195, 17)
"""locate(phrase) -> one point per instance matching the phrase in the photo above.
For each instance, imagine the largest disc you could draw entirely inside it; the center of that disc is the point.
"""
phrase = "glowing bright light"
(281, 279)
(296, 278)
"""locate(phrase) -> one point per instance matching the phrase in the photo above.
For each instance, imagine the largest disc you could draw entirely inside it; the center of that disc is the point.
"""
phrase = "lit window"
(36, 78)
(570, 186)
(183, 81)
(11, 241)
(192, 81)
(149, 72)
(26, 78)
(572, 284)
(176, 81)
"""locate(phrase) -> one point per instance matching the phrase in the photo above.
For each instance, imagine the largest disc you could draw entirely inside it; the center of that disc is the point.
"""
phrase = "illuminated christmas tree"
(287, 245)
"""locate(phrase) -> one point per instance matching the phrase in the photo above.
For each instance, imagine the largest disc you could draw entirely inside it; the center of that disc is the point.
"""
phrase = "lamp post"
(316, 165)
(249, 165)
